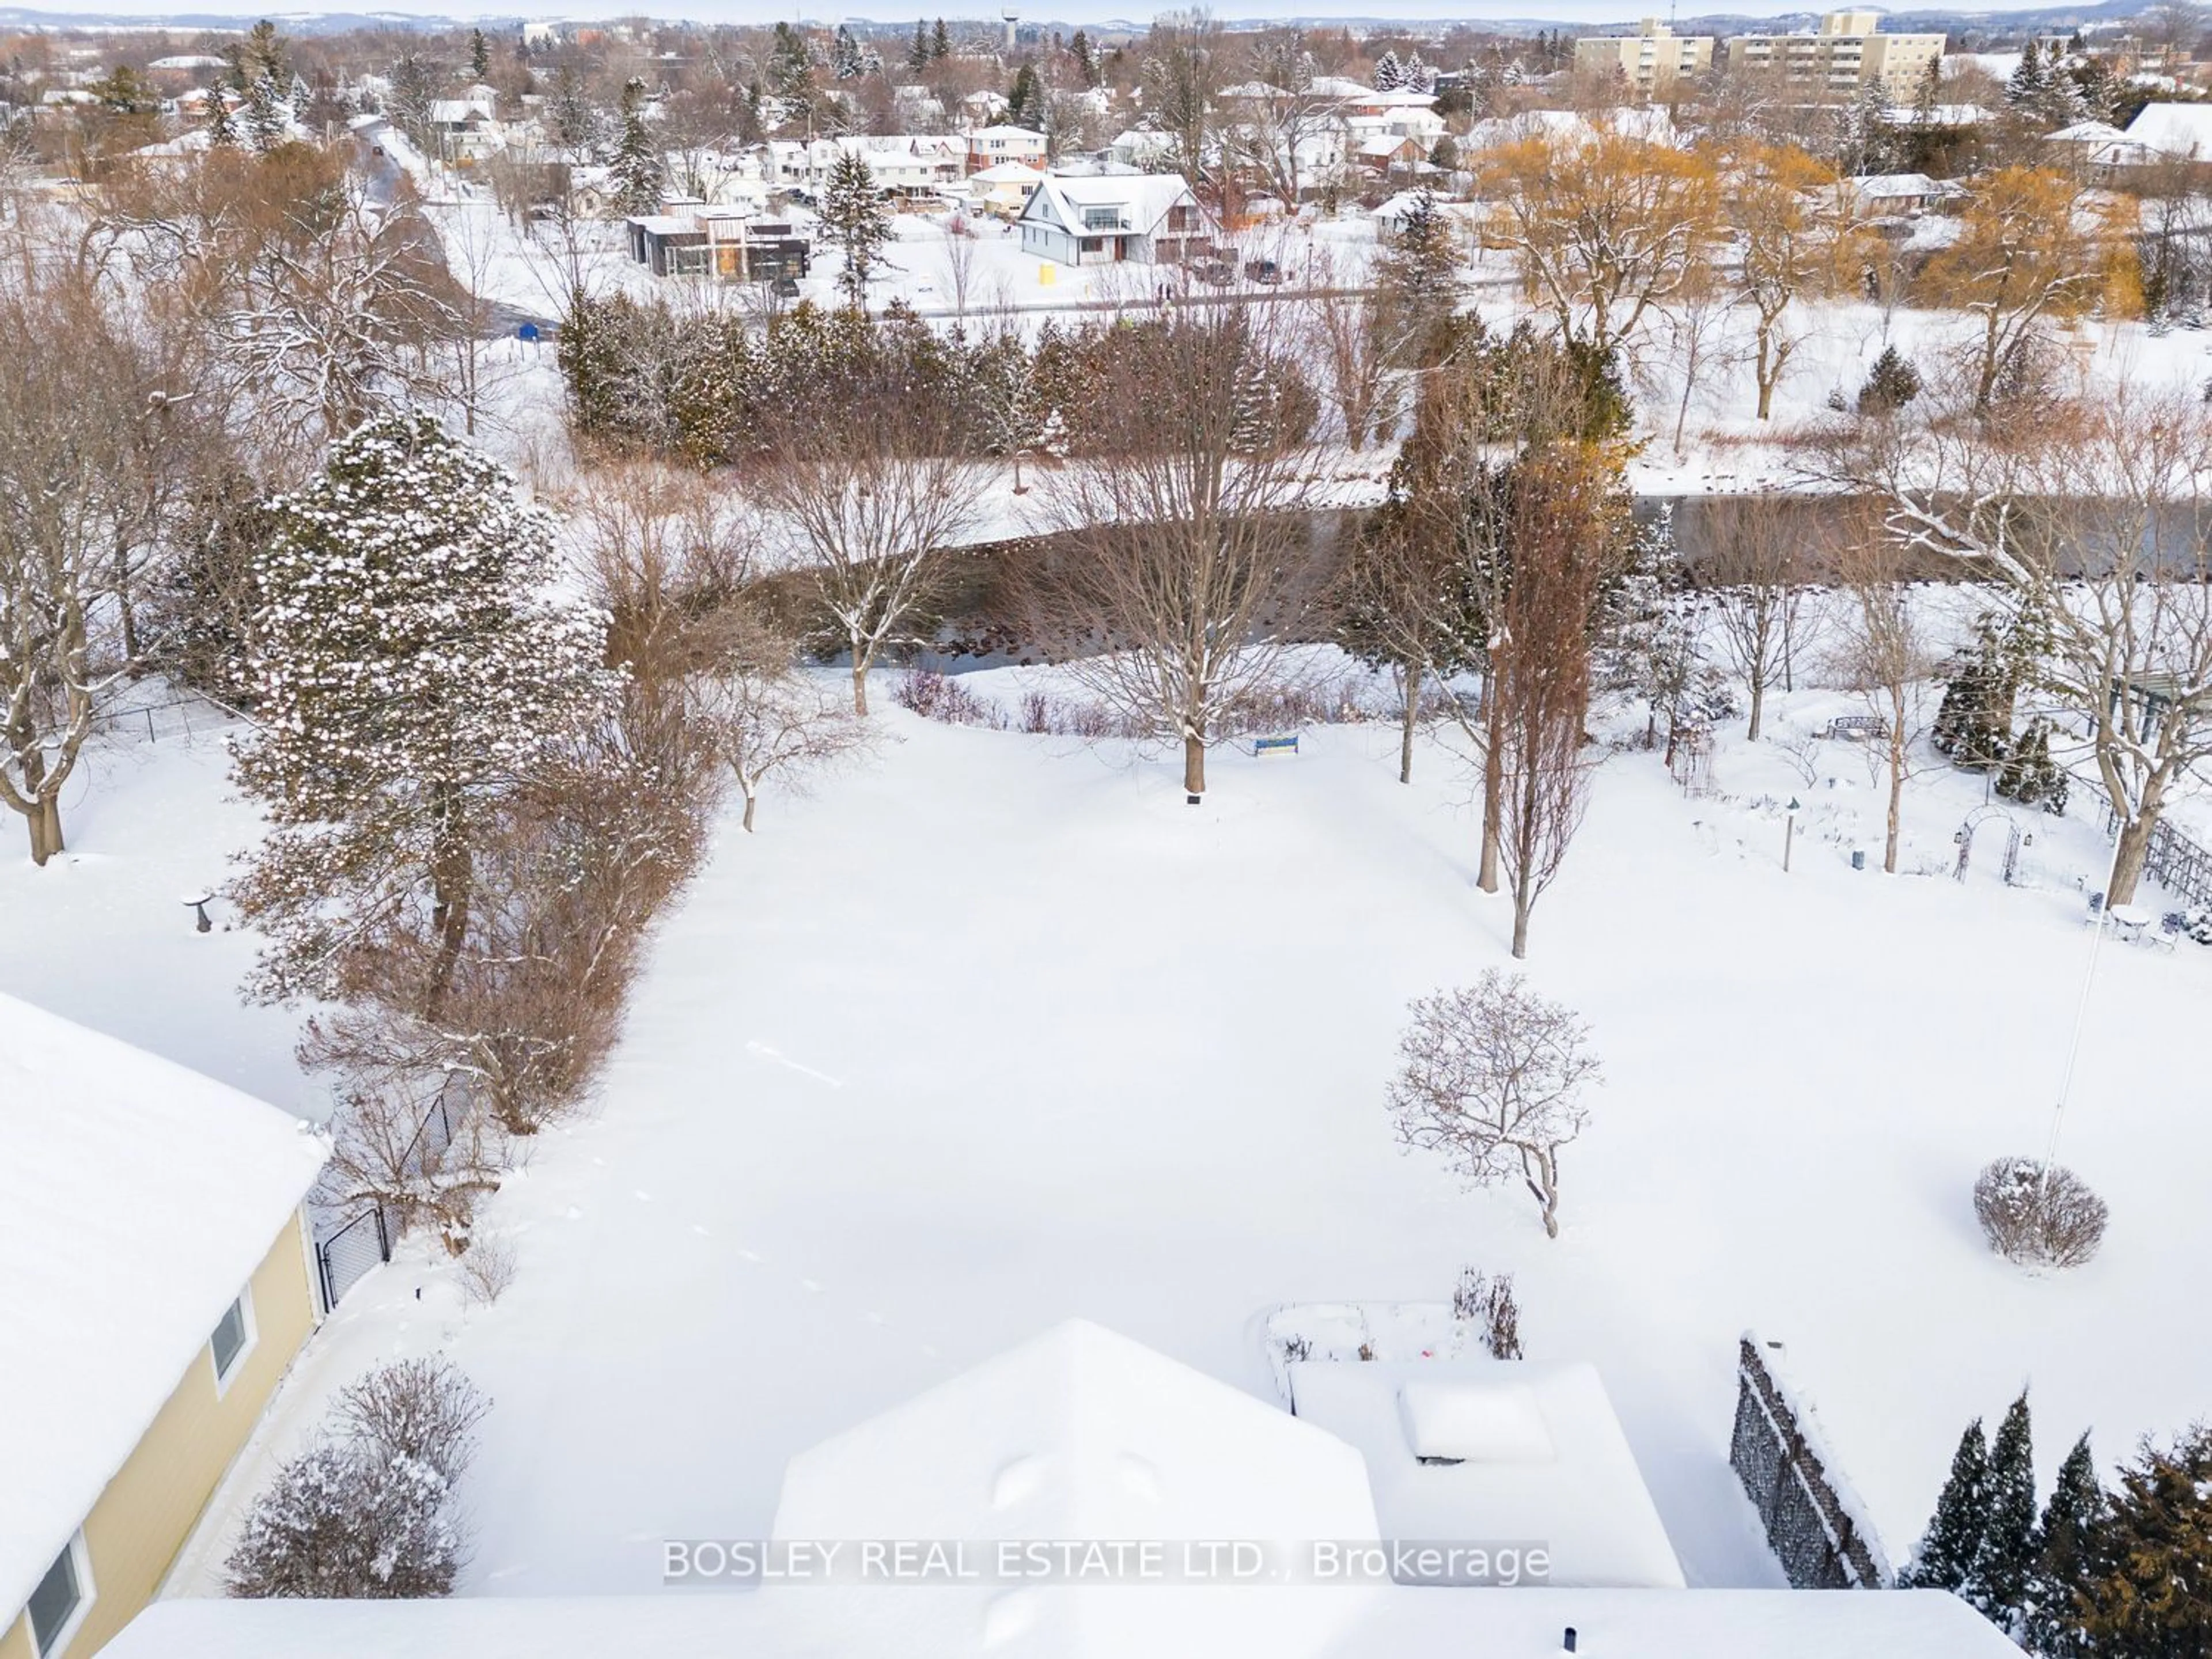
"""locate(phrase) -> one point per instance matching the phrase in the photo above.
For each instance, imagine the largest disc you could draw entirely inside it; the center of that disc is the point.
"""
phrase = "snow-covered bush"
(368, 1511)
(2052, 1221)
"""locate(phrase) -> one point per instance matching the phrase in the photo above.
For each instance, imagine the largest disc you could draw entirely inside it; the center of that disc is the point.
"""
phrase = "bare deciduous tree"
(78, 514)
(1492, 1076)
(1356, 353)
(1567, 551)
(869, 509)
(1883, 656)
(1183, 572)
(1755, 570)
(763, 716)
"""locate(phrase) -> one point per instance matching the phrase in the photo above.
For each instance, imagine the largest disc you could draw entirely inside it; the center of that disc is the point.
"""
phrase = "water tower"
(1011, 17)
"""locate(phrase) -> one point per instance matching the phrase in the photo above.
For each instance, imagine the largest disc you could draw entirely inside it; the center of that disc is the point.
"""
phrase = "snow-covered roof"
(1336, 86)
(1007, 172)
(2085, 132)
(137, 1198)
(191, 60)
(2173, 129)
(875, 1622)
(1081, 1434)
(1146, 196)
(1898, 186)
(1003, 131)
(1542, 1457)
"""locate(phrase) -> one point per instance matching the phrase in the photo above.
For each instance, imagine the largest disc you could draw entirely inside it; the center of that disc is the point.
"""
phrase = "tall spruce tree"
(2067, 1544)
(640, 170)
(1078, 47)
(917, 55)
(1418, 285)
(479, 55)
(266, 118)
(1953, 1541)
(940, 42)
(853, 214)
(1998, 1584)
(408, 671)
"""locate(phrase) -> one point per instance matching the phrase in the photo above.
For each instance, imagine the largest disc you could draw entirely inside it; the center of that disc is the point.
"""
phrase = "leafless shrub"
(2037, 1220)
(487, 1268)
(1491, 1075)
(758, 712)
(389, 1144)
(1481, 1300)
(1298, 1348)
(368, 1511)
(936, 697)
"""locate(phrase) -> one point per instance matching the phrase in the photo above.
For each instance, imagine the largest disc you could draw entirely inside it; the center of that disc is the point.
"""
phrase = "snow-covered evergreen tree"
(852, 213)
(845, 55)
(1415, 76)
(267, 119)
(1953, 1541)
(221, 128)
(2065, 1548)
(1998, 1584)
(640, 169)
(1388, 76)
(2029, 80)
(2150, 1596)
(411, 666)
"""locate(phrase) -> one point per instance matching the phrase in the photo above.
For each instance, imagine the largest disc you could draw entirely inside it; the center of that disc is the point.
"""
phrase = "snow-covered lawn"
(101, 934)
(996, 1030)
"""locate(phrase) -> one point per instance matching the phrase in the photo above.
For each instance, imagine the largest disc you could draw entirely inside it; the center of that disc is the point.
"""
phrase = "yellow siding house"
(155, 1283)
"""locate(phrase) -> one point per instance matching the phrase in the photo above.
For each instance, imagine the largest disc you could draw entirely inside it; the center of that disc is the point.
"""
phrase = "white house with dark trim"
(1138, 218)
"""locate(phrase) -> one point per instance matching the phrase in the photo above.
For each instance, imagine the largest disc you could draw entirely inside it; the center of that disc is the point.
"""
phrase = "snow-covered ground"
(996, 1030)
(101, 934)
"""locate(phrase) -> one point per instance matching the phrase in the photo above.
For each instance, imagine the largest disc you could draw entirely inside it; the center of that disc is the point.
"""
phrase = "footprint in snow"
(701, 1230)
(875, 1318)
(810, 1285)
(748, 1255)
(575, 1214)
(642, 1195)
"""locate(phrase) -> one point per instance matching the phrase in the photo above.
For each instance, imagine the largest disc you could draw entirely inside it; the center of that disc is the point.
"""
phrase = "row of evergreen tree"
(709, 389)
(2125, 1574)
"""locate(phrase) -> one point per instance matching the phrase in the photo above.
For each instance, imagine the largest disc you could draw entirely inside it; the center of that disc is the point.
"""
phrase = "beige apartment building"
(1849, 52)
(1647, 60)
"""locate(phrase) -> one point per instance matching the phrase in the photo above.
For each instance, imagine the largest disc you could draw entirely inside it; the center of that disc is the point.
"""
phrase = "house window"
(1105, 218)
(232, 1338)
(58, 1606)
(1093, 244)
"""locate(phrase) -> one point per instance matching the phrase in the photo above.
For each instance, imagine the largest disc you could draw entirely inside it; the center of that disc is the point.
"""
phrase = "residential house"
(155, 1281)
(1885, 194)
(692, 239)
(1089, 1498)
(1003, 190)
(1145, 218)
(465, 130)
(2170, 132)
(989, 146)
(914, 165)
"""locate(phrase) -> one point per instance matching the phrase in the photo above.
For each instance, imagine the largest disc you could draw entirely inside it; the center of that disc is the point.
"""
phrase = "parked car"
(1262, 270)
(1219, 272)
(786, 286)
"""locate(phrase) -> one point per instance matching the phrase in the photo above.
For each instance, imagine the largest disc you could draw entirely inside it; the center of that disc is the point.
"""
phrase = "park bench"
(1858, 728)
